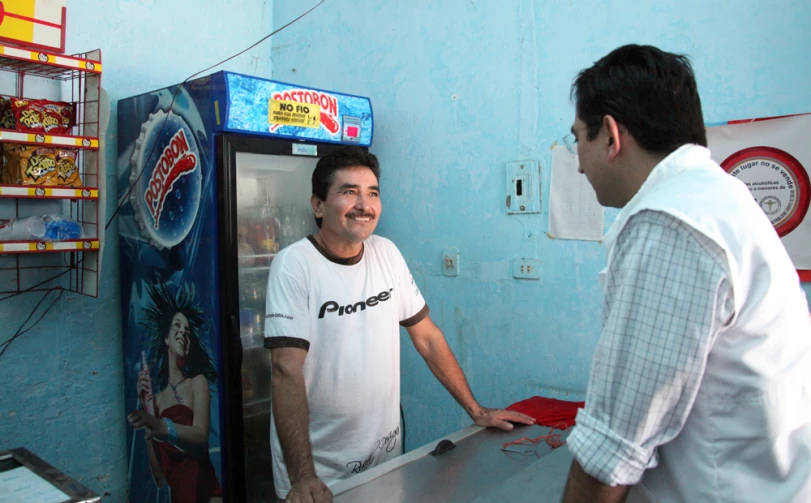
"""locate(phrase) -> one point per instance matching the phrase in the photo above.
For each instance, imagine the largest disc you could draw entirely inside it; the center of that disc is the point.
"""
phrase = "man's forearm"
(443, 365)
(583, 488)
(289, 397)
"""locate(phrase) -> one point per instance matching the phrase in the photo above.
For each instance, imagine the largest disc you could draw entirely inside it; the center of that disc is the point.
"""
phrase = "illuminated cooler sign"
(326, 103)
(283, 110)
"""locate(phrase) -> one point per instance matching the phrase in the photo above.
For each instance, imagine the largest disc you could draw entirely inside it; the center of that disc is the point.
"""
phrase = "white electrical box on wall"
(523, 187)
(526, 268)
(450, 261)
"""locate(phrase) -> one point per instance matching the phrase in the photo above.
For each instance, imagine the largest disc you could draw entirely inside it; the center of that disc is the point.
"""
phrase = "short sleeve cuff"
(286, 342)
(416, 318)
(605, 455)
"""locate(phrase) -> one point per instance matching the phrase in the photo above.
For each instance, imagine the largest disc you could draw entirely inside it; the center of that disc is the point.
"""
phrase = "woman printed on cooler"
(177, 435)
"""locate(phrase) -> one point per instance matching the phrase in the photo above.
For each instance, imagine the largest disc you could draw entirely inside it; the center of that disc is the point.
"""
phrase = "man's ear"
(613, 131)
(316, 204)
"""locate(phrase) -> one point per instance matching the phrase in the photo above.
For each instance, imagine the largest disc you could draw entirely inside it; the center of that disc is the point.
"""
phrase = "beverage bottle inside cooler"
(287, 227)
(245, 251)
(257, 294)
(266, 231)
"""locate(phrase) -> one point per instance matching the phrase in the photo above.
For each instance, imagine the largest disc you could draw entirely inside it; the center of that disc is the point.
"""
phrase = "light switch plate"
(523, 187)
(526, 268)
(450, 261)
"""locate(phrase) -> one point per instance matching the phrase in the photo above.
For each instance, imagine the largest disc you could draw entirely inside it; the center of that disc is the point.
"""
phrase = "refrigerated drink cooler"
(214, 179)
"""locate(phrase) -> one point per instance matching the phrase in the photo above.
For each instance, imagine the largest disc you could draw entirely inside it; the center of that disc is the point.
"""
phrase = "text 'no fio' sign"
(294, 113)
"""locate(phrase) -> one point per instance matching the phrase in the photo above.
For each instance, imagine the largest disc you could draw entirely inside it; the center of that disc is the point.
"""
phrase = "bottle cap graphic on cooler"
(166, 197)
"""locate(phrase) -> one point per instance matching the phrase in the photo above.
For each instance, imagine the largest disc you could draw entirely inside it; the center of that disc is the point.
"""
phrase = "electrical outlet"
(526, 268)
(450, 261)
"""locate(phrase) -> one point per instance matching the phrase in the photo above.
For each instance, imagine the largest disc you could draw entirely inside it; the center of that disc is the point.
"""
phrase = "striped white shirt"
(667, 295)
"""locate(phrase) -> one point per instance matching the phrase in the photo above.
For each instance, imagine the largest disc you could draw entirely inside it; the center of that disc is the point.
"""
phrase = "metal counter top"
(475, 471)
(44, 477)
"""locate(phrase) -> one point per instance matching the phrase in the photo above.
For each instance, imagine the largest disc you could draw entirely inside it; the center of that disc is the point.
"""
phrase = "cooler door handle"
(235, 340)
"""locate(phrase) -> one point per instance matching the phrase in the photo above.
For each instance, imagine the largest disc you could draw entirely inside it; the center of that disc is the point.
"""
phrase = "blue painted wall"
(460, 88)
(62, 382)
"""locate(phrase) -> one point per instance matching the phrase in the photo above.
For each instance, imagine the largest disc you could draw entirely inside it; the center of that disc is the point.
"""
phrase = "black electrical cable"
(31, 288)
(20, 330)
(123, 200)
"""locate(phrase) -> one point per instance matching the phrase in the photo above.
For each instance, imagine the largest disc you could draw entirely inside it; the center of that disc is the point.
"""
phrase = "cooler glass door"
(266, 207)
(273, 211)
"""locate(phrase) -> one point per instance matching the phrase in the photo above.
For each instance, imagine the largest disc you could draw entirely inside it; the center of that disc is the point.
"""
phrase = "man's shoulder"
(657, 222)
(301, 247)
(654, 218)
(295, 255)
(662, 222)
(378, 240)
(383, 247)
(651, 228)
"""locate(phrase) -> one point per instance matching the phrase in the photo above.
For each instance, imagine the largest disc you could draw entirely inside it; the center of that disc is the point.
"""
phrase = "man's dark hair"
(341, 158)
(651, 92)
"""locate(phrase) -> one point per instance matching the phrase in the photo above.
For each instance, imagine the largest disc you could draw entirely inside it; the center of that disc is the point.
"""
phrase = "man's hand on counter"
(500, 418)
(309, 489)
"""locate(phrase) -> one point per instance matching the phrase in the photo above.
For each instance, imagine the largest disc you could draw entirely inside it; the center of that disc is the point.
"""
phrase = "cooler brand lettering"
(175, 162)
(328, 104)
(331, 306)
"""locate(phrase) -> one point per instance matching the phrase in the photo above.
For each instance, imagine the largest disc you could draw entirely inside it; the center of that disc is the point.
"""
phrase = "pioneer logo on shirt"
(331, 306)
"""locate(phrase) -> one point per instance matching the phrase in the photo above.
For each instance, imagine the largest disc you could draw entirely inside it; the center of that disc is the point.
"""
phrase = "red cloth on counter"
(548, 411)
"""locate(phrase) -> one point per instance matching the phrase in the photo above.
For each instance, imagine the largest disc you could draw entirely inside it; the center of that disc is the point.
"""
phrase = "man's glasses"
(570, 140)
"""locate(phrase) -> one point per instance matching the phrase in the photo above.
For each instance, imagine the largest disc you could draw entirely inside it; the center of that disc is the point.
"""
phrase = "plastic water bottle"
(44, 228)
(22, 229)
(59, 228)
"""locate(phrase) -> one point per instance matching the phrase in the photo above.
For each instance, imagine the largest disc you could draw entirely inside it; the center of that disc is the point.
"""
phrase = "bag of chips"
(6, 115)
(51, 122)
(33, 165)
(38, 166)
(59, 111)
(42, 116)
(8, 175)
(11, 162)
(28, 115)
(67, 172)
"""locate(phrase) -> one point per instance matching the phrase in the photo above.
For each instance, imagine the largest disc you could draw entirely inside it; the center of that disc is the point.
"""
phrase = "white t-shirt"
(347, 317)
